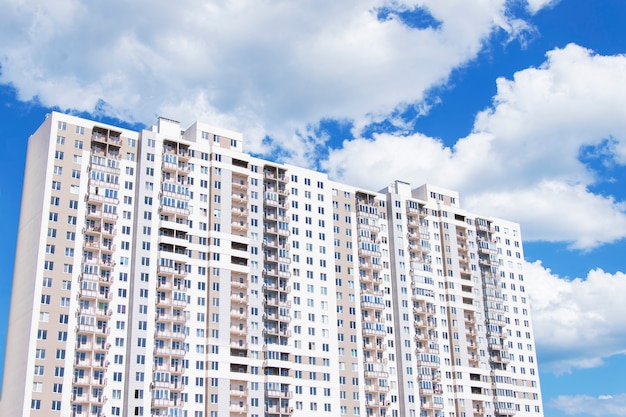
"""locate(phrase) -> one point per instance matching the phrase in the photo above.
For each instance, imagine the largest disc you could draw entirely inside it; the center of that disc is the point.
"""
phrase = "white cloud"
(278, 69)
(521, 161)
(535, 5)
(577, 322)
(264, 68)
(557, 211)
(603, 405)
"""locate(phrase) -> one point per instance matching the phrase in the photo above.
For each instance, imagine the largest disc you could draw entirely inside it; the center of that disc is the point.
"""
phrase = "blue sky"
(521, 106)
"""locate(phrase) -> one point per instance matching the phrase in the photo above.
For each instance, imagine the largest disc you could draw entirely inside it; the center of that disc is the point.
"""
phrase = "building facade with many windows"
(168, 273)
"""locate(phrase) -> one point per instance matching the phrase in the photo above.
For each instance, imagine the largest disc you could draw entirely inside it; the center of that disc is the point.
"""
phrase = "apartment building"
(167, 272)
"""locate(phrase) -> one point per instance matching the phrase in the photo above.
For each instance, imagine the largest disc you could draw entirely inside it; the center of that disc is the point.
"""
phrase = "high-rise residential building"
(168, 273)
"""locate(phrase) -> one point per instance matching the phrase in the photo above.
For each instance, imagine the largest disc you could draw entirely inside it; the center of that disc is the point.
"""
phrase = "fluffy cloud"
(263, 68)
(577, 322)
(551, 210)
(603, 405)
(522, 159)
(535, 5)
(278, 69)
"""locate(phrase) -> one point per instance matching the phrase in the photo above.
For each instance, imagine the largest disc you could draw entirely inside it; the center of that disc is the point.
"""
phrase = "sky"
(518, 105)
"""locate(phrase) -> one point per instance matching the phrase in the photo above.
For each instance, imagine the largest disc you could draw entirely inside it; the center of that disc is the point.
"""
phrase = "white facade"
(167, 272)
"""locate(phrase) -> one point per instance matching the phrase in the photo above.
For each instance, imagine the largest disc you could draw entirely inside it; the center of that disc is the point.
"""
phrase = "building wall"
(19, 359)
(193, 279)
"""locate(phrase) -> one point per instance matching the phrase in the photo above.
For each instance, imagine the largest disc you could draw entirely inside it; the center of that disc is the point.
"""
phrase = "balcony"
(239, 212)
(427, 364)
(184, 154)
(176, 386)
(274, 331)
(238, 331)
(373, 332)
(98, 382)
(174, 210)
(166, 367)
(276, 409)
(374, 346)
(239, 198)
(367, 215)
(96, 198)
(166, 402)
(420, 324)
(275, 203)
(376, 374)
(479, 411)
(272, 175)
(366, 252)
(240, 393)
(241, 315)
(110, 232)
(376, 388)
(239, 184)
(369, 279)
(421, 337)
(500, 359)
(428, 405)
(274, 302)
(240, 283)
(369, 227)
(170, 334)
(238, 299)
(372, 305)
(239, 345)
(166, 351)
(278, 394)
(428, 349)
(168, 166)
(505, 411)
(82, 380)
(238, 408)
(80, 399)
(370, 266)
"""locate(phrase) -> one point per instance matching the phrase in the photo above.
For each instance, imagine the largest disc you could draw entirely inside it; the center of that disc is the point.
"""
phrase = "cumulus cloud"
(276, 70)
(557, 211)
(603, 405)
(522, 159)
(577, 322)
(535, 5)
(263, 68)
